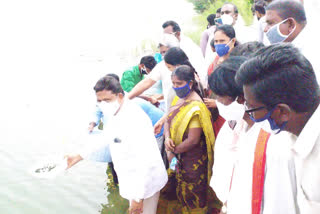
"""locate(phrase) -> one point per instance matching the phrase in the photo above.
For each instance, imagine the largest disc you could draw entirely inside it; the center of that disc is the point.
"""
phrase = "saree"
(188, 190)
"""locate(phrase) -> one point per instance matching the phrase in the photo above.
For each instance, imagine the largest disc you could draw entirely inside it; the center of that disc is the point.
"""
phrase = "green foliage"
(207, 7)
(201, 5)
(116, 204)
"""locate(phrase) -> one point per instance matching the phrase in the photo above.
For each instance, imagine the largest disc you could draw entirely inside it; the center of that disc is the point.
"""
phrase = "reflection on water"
(116, 204)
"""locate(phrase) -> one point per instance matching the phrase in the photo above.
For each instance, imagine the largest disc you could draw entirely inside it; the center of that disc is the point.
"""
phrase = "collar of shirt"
(308, 136)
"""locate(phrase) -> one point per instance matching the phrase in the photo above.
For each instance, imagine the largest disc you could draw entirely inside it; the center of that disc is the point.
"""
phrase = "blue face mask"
(273, 125)
(183, 91)
(222, 49)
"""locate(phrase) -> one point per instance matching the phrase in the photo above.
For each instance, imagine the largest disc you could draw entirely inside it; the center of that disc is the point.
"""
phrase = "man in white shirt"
(133, 147)
(191, 49)
(230, 16)
(286, 22)
(261, 16)
(160, 72)
(236, 146)
(172, 38)
(280, 87)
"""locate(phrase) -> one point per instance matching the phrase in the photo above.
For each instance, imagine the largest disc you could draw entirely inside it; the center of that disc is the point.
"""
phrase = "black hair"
(289, 9)
(186, 73)
(108, 83)
(148, 61)
(114, 76)
(246, 49)
(260, 8)
(218, 10)
(235, 9)
(212, 42)
(211, 18)
(281, 74)
(175, 26)
(222, 81)
(229, 31)
(176, 56)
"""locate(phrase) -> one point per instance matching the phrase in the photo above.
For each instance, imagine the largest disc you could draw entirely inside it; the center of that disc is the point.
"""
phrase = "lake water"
(52, 53)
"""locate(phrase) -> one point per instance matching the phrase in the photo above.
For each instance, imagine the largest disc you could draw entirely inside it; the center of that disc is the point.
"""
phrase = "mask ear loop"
(278, 28)
(229, 42)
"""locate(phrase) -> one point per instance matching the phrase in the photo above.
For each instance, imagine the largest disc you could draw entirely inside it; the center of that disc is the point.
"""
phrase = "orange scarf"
(259, 171)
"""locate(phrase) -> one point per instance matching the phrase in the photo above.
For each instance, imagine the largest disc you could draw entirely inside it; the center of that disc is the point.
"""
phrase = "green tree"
(207, 7)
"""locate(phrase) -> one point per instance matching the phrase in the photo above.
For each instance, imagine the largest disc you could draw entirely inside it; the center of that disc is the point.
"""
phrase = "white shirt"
(306, 42)
(161, 72)
(279, 195)
(136, 157)
(245, 33)
(280, 190)
(307, 159)
(225, 151)
(196, 58)
(239, 199)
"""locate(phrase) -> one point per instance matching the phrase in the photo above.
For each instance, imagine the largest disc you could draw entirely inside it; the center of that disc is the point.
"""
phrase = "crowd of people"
(230, 126)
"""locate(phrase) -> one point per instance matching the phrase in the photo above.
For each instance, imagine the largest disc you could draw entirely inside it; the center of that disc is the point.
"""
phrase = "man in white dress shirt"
(191, 49)
(280, 86)
(172, 38)
(286, 21)
(235, 152)
(133, 147)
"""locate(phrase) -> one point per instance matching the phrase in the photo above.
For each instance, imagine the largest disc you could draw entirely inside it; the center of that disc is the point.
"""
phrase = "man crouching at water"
(133, 147)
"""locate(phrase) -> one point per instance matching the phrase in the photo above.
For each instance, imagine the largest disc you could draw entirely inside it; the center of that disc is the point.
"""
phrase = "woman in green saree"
(189, 140)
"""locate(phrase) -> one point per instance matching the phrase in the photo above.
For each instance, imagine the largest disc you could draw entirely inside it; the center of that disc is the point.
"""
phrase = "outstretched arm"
(141, 87)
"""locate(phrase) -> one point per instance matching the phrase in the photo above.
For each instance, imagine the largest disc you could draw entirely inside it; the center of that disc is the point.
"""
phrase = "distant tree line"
(201, 6)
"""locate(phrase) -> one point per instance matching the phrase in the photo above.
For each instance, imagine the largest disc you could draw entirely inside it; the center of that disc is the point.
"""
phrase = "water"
(52, 53)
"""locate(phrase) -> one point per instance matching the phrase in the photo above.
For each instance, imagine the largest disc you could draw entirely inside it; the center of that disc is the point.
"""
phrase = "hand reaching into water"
(91, 126)
(72, 160)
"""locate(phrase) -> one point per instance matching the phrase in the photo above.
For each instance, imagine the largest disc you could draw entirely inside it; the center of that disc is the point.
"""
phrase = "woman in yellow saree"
(189, 141)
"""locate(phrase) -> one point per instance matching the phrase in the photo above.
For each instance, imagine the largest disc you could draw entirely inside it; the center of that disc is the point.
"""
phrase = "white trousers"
(150, 204)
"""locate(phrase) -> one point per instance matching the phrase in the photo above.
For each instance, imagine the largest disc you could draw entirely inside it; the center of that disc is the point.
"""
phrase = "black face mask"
(144, 71)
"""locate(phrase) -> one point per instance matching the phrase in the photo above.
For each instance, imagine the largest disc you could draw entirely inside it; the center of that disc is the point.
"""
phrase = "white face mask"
(234, 111)
(109, 108)
(169, 40)
(274, 34)
(227, 19)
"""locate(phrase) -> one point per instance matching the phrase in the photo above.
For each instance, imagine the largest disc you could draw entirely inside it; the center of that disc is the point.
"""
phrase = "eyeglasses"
(250, 111)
